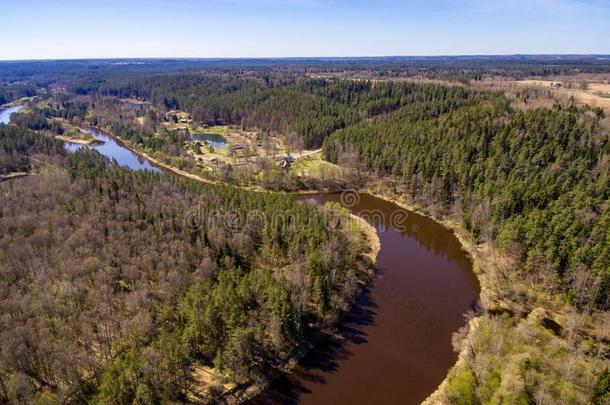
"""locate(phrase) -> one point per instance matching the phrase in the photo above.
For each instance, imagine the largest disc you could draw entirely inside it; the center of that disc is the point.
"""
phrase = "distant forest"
(313, 108)
(445, 67)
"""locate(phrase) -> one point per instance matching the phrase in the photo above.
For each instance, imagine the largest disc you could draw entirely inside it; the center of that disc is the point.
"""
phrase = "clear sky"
(51, 29)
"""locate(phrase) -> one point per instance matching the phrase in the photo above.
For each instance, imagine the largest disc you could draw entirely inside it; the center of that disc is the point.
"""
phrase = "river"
(113, 149)
(398, 335)
(397, 346)
(5, 115)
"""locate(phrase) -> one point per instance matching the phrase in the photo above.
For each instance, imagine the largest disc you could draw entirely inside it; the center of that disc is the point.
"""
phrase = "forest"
(312, 108)
(454, 68)
(17, 145)
(123, 281)
(534, 185)
(512, 176)
(13, 91)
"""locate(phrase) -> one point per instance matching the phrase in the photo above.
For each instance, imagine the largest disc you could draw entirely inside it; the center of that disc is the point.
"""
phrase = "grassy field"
(314, 166)
(595, 94)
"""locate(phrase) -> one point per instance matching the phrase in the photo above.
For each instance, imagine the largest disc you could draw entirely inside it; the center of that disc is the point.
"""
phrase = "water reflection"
(112, 149)
(214, 140)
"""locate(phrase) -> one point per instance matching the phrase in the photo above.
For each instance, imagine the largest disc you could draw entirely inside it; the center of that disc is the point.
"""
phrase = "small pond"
(216, 140)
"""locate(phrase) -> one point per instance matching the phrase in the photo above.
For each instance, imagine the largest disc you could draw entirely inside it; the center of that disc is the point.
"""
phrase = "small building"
(286, 161)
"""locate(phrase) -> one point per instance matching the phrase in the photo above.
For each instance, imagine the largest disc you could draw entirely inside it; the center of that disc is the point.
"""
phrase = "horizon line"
(222, 58)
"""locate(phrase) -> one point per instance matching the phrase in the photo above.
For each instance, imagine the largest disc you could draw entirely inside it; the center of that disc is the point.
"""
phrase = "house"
(286, 161)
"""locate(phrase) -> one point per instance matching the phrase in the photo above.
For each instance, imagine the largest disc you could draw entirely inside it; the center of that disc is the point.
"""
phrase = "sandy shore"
(13, 175)
(92, 141)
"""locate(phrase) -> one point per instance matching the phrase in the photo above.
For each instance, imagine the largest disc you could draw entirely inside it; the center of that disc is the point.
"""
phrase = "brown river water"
(397, 346)
(397, 337)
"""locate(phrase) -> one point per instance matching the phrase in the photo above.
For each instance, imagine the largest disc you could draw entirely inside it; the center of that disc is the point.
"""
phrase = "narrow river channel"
(113, 150)
(5, 115)
(397, 346)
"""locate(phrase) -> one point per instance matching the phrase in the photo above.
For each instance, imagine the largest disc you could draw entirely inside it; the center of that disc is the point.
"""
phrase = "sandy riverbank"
(13, 175)
(88, 142)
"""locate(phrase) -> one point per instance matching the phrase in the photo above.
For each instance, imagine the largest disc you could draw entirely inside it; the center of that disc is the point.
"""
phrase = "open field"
(595, 94)
(312, 165)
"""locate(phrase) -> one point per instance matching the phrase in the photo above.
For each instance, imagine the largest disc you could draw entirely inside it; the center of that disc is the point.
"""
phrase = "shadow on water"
(326, 357)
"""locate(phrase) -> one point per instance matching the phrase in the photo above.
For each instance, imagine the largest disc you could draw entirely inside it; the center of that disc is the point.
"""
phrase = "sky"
(61, 29)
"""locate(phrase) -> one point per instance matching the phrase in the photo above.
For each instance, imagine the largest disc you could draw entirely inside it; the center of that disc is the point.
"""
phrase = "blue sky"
(50, 29)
